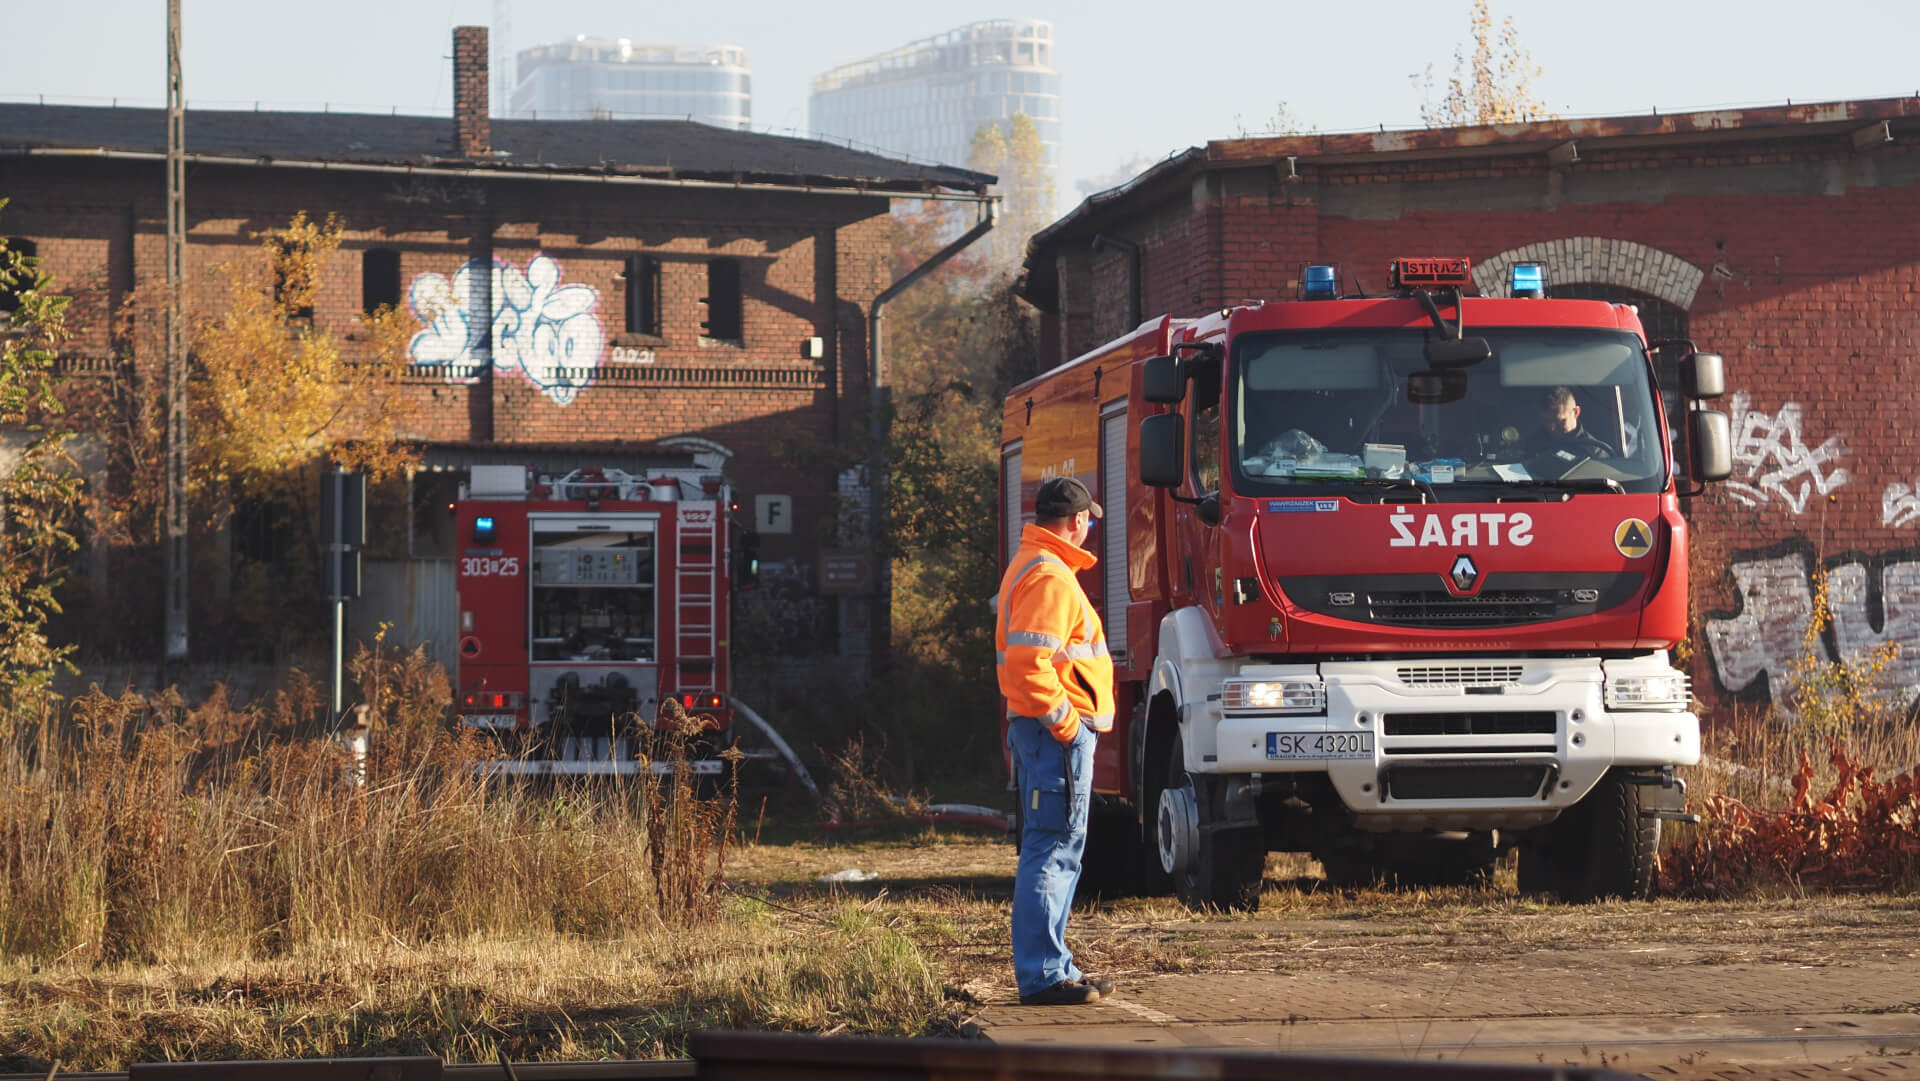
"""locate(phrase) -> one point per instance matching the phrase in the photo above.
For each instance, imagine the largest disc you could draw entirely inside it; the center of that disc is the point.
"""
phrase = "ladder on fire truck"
(695, 632)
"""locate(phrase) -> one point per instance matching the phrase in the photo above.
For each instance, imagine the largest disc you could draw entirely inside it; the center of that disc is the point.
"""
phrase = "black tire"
(1599, 848)
(1624, 844)
(1229, 866)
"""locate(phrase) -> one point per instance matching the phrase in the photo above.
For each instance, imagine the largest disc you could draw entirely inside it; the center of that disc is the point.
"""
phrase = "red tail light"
(702, 701)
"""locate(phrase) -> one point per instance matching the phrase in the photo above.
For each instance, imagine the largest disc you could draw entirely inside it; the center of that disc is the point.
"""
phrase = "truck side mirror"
(1162, 381)
(1162, 445)
(1709, 444)
(1702, 375)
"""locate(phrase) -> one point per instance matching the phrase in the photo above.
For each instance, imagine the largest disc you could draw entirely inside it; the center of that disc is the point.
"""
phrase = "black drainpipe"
(882, 623)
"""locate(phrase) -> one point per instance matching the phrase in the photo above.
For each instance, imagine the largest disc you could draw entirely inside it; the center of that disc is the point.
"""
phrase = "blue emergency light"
(1320, 282)
(1529, 280)
(483, 529)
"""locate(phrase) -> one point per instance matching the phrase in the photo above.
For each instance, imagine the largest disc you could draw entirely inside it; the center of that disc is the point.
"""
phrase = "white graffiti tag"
(1772, 461)
(1899, 505)
(519, 320)
(1769, 636)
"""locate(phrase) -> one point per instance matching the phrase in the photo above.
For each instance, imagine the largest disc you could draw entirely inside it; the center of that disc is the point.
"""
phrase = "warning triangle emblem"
(1633, 538)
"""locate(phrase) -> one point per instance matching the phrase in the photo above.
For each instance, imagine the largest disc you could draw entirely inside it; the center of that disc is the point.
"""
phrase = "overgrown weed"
(1821, 791)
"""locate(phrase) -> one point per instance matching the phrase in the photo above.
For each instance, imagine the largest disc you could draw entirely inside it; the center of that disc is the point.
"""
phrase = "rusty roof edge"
(1763, 122)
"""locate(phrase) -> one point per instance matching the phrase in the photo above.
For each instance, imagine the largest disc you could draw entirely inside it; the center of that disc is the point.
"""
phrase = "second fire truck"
(588, 601)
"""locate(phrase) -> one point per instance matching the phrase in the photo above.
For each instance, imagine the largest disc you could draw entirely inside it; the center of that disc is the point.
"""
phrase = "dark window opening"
(643, 295)
(18, 276)
(723, 301)
(263, 531)
(433, 532)
(379, 279)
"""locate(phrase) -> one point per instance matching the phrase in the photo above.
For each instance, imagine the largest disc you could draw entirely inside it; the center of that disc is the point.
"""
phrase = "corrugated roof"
(674, 149)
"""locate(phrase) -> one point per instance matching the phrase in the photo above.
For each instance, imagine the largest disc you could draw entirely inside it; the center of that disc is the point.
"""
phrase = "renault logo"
(1464, 573)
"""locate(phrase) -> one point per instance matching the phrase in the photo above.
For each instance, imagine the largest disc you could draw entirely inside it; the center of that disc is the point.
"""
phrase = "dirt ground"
(1790, 985)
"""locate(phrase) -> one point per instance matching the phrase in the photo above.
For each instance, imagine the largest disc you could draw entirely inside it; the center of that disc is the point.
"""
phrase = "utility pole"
(175, 637)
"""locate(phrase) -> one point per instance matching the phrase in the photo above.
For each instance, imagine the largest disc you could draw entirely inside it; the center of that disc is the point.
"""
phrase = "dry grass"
(207, 882)
(537, 996)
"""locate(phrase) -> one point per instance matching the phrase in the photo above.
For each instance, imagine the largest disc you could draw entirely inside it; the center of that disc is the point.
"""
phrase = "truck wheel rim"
(1179, 829)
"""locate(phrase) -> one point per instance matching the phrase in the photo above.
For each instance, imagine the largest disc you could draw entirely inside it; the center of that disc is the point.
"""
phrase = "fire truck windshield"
(1554, 407)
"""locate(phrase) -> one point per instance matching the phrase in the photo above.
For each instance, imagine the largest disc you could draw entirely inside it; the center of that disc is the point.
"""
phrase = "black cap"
(1062, 497)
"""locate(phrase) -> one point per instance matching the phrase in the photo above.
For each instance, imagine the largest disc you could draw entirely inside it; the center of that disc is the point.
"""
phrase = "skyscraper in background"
(927, 98)
(615, 78)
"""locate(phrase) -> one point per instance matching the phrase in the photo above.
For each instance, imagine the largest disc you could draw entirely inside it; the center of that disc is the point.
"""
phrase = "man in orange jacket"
(1057, 678)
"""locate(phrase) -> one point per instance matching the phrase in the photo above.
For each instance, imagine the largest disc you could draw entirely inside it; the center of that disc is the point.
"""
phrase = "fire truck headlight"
(1286, 694)
(1668, 691)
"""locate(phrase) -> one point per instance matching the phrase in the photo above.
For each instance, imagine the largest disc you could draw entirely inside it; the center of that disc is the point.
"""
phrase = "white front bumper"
(1551, 726)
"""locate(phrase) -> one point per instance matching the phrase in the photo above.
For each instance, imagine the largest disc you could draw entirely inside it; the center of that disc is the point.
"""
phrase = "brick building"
(590, 292)
(1787, 239)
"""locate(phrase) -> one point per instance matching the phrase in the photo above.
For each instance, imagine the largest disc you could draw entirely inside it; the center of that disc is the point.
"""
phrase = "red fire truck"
(1388, 579)
(587, 600)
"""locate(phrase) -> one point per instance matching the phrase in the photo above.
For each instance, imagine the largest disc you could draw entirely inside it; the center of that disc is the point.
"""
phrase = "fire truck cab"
(587, 600)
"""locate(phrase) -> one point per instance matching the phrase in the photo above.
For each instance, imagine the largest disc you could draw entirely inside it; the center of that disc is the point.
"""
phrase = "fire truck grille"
(1422, 600)
(1529, 722)
(1459, 675)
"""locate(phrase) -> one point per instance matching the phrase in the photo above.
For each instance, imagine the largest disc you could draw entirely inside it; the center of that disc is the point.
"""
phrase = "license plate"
(1294, 745)
(489, 720)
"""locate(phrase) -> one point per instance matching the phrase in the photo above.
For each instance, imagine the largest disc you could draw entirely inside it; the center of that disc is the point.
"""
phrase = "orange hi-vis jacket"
(1050, 647)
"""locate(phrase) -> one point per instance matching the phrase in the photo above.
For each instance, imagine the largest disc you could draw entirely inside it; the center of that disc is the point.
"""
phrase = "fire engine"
(586, 600)
(1365, 602)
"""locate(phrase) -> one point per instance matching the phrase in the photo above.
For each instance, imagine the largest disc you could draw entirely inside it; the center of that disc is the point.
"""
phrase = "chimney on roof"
(472, 131)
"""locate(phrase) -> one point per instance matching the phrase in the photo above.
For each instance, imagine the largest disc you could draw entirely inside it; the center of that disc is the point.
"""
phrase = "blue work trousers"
(1056, 786)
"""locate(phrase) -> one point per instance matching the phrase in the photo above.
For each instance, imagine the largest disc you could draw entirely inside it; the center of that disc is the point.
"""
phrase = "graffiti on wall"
(1872, 603)
(517, 320)
(1772, 462)
(1899, 505)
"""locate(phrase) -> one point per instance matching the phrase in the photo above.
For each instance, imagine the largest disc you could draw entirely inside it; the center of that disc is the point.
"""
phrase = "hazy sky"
(1138, 80)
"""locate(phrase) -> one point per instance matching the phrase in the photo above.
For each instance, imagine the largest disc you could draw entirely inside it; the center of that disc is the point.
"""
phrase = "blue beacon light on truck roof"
(1528, 280)
(1320, 282)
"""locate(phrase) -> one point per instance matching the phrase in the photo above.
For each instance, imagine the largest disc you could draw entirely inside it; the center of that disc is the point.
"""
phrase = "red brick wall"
(1807, 259)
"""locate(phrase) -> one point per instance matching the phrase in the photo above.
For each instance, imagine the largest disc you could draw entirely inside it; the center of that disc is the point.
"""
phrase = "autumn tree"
(274, 398)
(1492, 81)
(39, 486)
(1018, 157)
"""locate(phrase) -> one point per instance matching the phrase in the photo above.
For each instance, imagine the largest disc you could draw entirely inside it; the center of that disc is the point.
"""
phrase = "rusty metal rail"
(737, 1056)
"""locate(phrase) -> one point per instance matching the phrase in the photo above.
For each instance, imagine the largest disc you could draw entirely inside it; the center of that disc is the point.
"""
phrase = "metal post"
(175, 630)
(339, 661)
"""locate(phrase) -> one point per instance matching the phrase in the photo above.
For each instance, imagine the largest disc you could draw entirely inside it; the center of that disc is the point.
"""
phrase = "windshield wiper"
(1571, 484)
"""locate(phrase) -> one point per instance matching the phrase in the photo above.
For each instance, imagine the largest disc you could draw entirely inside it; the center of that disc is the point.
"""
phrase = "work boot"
(1105, 987)
(1064, 993)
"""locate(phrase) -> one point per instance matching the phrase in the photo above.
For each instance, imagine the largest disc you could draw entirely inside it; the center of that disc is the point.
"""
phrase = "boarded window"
(643, 295)
(379, 279)
(723, 320)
